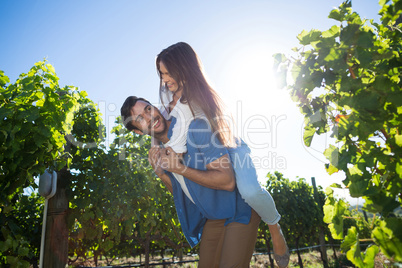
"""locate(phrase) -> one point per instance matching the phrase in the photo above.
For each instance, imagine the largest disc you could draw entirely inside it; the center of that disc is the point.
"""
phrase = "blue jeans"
(250, 189)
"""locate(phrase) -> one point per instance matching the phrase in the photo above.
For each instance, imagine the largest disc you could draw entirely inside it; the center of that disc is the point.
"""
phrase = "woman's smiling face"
(167, 79)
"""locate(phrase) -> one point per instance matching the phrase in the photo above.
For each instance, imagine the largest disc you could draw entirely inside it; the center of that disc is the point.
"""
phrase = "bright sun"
(247, 77)
(262, 112)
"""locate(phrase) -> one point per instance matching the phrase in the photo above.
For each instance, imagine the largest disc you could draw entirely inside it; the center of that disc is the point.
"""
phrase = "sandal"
(282, 260)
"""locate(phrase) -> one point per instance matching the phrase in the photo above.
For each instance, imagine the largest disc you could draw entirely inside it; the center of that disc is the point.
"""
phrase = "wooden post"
(56, 240)
(323, 248)
(365, 216)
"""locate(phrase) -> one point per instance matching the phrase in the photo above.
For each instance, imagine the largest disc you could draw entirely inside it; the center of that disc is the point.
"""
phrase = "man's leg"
(239, 242)
(211, 244)
(256, 196)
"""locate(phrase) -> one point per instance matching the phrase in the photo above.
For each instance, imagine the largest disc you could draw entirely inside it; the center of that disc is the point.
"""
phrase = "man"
(207, 201)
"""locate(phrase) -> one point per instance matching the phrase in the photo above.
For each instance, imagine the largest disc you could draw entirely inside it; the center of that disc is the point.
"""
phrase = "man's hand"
(155, 160)
(171, 161)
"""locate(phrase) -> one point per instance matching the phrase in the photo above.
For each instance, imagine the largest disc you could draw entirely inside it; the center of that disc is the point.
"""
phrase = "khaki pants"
(228, 246)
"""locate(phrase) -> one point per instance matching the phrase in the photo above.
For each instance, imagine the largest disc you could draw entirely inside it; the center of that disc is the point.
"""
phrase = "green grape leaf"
(23, 251)
(3, 246)
(333, 214)
(306, 38)
(336, 185)
(308, 135)
(389, 237)
(398, 140)
(365, 39)
(369, 255)
(358, 188)
(50, 68)
(351, 240)
(333, 55)
(332, 154)
(336, 15)
(399, 169)
(331, 169)
(332, 32)
(351, 245)
(278, 59)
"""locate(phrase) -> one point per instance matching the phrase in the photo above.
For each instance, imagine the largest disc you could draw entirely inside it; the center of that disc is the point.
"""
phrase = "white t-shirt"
(184, 116)
(178, 140)
(180, 179)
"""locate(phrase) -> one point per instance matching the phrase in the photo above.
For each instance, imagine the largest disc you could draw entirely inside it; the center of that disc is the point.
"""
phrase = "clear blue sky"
(108, 49)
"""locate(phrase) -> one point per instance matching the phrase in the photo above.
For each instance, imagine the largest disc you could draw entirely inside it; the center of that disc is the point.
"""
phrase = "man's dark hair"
(125, 111)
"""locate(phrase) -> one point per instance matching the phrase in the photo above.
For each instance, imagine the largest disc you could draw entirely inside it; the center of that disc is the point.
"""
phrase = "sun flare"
(248, 78)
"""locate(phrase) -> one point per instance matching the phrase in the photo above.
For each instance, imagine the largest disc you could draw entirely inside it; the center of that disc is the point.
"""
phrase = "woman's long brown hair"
(185, 67)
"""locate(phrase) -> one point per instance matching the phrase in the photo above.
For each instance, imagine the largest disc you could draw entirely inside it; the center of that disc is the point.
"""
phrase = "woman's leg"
(256, 196)
(281, 251)
(249, 188)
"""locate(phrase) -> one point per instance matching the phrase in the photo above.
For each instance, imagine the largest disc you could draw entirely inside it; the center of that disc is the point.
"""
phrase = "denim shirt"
(203, 148)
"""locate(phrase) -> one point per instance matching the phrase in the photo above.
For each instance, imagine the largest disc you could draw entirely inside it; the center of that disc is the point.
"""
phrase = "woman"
(185, 94)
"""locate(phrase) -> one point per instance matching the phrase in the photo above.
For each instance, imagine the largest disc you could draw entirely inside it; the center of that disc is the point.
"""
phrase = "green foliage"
(347, 81)
(117, 203)
(333, 214)
(351, 245)
(387, 235)
(21, 231)
(117, 206)
(35, 115)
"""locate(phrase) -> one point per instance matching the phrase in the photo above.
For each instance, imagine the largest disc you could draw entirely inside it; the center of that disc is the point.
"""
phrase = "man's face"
(148, 119)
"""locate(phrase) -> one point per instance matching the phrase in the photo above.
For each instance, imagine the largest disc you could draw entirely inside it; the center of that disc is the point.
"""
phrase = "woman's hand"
(171, 161)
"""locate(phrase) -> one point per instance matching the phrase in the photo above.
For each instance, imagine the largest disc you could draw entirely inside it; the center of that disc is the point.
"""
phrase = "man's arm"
(218, 175)
(154, 160)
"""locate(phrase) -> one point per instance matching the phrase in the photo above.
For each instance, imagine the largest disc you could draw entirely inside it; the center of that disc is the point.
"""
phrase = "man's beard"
(162, 126)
